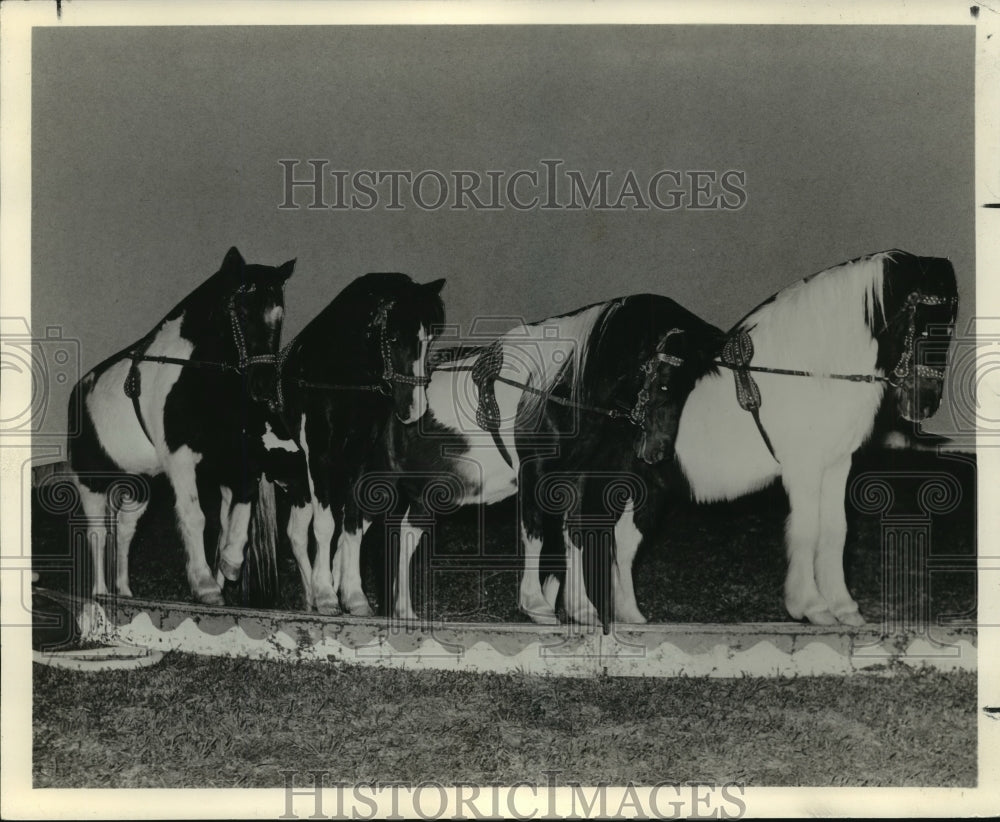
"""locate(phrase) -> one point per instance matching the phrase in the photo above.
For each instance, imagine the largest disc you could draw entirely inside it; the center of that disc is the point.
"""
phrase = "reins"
(738, 351)
(133, 382)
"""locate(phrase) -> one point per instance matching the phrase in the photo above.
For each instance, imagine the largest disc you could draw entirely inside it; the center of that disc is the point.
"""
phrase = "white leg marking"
(418, 403)
(351, 590)
(180, 468)
(550, 590)
(324, 593)
(231, 561)
(225, 503)
(531, 600)
(298, 534)
(94, 509)
(830, 551)
(802, 597)
(324, 590)
(409, 540)
(578, 607)
(127, 519)
(627, 539)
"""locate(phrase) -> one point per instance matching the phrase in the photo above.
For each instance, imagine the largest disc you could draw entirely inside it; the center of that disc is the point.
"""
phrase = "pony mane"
(541, 368)
(855, 287)
(831, 321)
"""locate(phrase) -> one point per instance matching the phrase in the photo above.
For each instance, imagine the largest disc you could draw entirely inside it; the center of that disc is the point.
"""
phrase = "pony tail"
(260, 571)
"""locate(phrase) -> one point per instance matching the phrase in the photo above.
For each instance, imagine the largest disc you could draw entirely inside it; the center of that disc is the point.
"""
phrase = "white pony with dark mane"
(872, 329)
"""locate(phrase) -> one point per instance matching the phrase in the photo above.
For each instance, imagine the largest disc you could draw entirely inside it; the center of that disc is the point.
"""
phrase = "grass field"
(195, 722)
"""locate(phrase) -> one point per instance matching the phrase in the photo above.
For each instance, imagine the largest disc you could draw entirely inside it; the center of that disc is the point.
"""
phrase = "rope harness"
(738, 352)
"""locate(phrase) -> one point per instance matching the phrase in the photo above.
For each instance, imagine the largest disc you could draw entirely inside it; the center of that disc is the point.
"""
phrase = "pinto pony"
(359, 363)
(189, 393)
(572, 413)
(805, 374)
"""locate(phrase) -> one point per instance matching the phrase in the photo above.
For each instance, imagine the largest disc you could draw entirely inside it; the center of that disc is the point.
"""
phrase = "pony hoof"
(211, 597)
(359, 606)
(542, 617)
(584, 617)
(631, 618)
(328, 607)
(539, 612)
(823, 617)
(852, 618)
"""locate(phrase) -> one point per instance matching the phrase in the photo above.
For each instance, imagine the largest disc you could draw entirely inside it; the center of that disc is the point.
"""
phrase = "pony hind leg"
(802, 597)
(180, 468)
(830, 551)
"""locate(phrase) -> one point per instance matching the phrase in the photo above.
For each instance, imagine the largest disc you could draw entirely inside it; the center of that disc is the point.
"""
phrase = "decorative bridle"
(907, 370)
(738, 352)
(133, 381)
(385, 382)
(486, 371)
(649, 370)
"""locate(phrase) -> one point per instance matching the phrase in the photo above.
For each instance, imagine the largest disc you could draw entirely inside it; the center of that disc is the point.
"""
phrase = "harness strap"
(736, 355)
(484, 374)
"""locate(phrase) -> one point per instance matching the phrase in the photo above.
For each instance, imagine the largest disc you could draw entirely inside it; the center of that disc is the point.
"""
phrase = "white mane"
(821, 323)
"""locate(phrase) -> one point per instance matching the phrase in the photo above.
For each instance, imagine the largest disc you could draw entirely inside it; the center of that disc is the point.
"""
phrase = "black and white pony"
(572, 413)
(359, 363)
(193, 392)
(823, 356)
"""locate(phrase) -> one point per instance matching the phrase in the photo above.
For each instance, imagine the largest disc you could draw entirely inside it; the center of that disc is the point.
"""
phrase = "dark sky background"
(155, 150)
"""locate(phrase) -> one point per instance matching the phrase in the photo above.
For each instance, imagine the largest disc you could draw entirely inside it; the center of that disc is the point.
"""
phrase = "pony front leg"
(298, 535)
(830, 552)
(351, 590)
(324, 589)
(127, 518)
(802, 597)
(578, 606)
(409, 541)
(627, 540)
(226, 501)
(231, 558)
(94, 506)
(531, 599)
(180, 468)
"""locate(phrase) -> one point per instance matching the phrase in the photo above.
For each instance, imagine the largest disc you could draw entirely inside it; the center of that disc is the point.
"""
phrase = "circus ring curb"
(652, 650)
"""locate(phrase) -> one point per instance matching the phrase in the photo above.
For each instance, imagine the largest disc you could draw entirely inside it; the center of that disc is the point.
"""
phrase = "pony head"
(255, 304)
(401, 331)
(914, 330)
(683, 353)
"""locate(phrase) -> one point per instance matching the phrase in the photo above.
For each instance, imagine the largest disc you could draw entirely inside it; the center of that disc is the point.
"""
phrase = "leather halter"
(485, 372)
(384, 384)
(133, 380)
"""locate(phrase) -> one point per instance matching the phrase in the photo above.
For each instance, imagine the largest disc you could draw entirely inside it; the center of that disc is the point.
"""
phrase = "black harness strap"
(485, 372)
(736, 355)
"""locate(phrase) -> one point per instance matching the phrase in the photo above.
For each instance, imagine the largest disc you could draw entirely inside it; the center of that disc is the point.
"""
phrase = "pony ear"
(233, 264)
(285, 271)
(435, 286)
